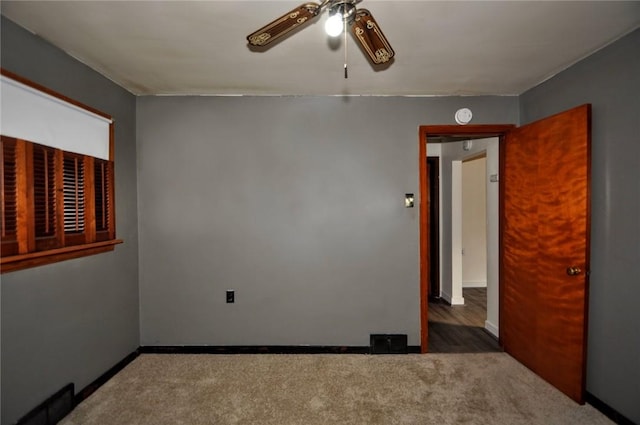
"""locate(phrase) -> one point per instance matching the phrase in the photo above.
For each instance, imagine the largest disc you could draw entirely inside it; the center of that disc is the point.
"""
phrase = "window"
(55, 204)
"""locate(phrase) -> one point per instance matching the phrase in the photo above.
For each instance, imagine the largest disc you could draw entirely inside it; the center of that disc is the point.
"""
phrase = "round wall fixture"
(463, 116)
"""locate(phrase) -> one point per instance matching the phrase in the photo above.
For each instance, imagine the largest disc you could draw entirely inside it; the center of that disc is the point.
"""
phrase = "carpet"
(482, 388)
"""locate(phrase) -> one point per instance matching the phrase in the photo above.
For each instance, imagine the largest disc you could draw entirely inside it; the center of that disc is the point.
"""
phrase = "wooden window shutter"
(73, 189)
(8, 197)
(103, 199)
(46, 228)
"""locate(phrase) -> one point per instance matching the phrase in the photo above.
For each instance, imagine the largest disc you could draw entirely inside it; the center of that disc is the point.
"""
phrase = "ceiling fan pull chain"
(346, 73)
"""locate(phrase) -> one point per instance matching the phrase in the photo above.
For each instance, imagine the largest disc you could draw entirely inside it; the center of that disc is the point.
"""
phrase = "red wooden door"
(545, 247)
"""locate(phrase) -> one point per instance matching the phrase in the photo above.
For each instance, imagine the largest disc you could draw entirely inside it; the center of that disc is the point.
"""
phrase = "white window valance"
(33, 115)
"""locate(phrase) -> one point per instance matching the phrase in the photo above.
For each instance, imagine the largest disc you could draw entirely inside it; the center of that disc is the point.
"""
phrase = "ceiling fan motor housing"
(346, 8)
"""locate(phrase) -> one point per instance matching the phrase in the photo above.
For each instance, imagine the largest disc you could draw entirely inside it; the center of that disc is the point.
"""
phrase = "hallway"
(460, 328)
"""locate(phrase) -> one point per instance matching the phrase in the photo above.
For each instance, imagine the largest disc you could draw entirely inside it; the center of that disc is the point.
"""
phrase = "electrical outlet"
(231, 296)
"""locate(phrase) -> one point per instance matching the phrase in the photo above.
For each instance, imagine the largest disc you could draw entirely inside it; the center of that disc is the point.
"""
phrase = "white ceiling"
(442, 47)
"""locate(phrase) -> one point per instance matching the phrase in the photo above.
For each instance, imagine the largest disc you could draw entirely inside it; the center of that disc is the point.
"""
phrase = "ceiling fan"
(342, 14)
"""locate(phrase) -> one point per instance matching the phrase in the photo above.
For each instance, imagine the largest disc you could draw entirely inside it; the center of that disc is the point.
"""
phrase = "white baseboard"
(451, 300)
(491, 328)
(457, 301)
(474, 284)
(445, 296)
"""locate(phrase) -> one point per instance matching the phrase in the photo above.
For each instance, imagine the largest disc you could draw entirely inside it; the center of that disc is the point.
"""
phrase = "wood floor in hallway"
(460, 328)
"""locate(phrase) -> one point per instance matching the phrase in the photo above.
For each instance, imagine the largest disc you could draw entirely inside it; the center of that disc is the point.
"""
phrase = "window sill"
(34, 259)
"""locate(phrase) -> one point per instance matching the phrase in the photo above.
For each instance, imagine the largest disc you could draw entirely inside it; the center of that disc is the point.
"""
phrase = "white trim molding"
(491, 328)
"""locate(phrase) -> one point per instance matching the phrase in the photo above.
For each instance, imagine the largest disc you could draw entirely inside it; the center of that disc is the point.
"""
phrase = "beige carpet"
(487, 388)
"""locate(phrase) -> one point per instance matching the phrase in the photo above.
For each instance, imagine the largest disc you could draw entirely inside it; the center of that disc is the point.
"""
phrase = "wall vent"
(52, 410)
(388, 344)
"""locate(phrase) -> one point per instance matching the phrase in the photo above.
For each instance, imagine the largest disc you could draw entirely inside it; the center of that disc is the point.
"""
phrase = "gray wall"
(296, 203)
(71, 321)
(610, 81)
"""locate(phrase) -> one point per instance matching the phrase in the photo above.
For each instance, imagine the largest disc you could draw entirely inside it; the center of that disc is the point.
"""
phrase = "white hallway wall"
(474, 223)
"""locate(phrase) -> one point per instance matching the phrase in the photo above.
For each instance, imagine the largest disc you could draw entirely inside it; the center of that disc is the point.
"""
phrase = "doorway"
(458, 320)
(439, 134)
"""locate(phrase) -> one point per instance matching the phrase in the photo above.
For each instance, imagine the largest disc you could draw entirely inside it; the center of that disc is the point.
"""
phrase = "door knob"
(573, 271)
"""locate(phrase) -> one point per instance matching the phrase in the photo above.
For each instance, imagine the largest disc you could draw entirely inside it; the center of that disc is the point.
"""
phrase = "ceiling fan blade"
(284, 24)
(367, 32)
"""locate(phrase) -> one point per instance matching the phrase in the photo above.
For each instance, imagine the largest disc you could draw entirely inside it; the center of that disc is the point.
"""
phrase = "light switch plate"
(408, 200)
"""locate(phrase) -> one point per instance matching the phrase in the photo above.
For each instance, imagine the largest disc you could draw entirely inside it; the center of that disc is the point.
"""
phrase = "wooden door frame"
(453, 131)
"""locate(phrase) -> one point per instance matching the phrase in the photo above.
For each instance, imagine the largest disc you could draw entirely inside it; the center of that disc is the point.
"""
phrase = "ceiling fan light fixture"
(334, 25)
(341, 13)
